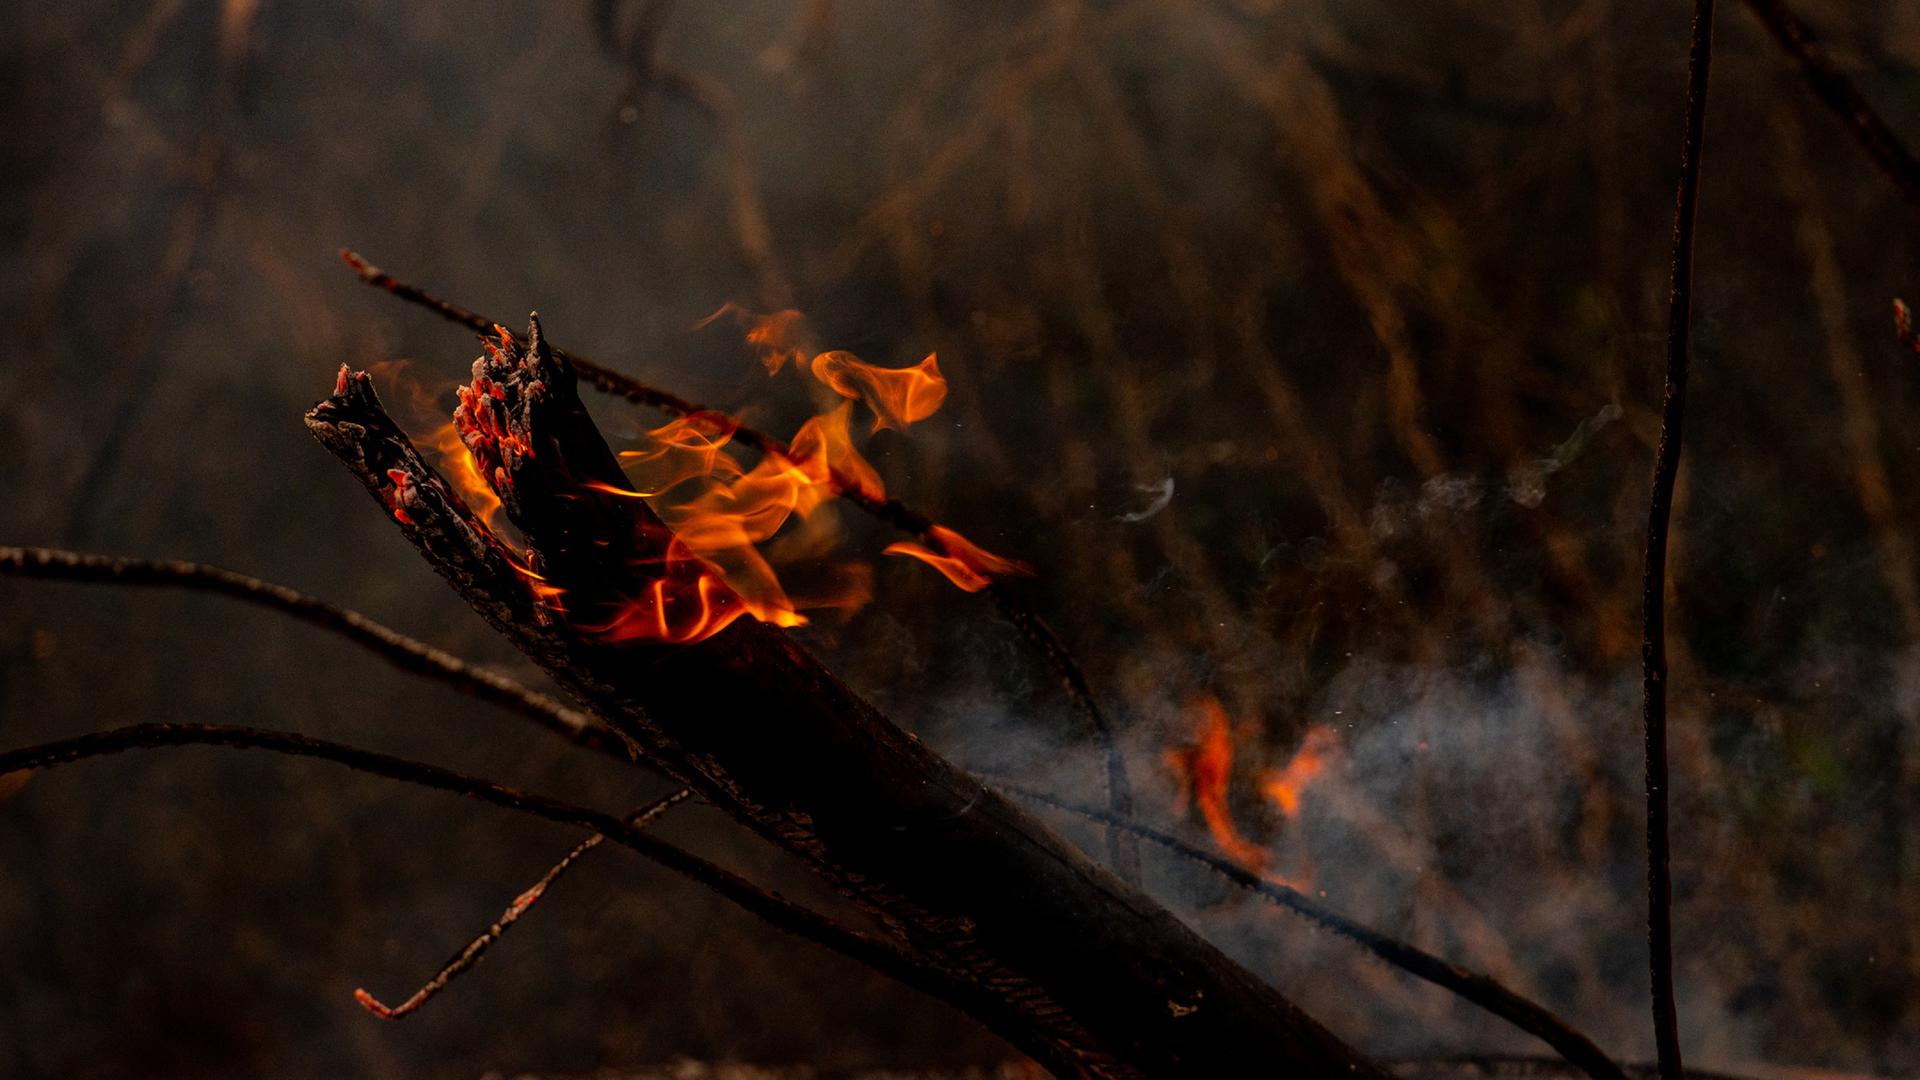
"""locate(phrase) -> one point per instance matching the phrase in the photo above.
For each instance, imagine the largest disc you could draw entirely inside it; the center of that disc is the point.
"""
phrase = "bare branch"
(466, 958)
(784, 914)
(405, 653)
(1653, 597)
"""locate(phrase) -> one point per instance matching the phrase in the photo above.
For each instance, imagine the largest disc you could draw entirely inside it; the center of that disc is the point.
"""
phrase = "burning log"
(1123, 852)
(1100, 980)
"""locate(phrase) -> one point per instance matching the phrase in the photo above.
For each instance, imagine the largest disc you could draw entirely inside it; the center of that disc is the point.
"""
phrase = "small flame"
(543, 590)
(1207, 769)
(1286, 784)
(456, 461)
(966, 564)
(897, 396)
(778, 337)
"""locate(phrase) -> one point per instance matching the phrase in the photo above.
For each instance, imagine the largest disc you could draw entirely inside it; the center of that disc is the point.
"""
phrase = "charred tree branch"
(1104, 982)
(1012, 606)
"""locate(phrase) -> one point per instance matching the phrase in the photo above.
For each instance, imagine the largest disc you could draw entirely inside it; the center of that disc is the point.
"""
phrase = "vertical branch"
(1666, 470)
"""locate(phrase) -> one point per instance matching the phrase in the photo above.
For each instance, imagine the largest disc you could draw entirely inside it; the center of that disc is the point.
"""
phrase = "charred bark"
(1102, 980)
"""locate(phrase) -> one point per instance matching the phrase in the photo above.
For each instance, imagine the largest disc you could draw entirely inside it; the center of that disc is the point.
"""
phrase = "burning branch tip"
(368, 272)
(372, 1004)
(1903, 325)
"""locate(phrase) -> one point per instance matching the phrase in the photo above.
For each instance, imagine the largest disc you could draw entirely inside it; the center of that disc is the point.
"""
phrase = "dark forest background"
(1378, 288)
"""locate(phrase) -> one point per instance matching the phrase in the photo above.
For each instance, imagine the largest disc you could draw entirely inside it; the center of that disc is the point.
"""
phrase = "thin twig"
(403, 652)
(1666, 470)
(775, 909)
(906, 519)
(466, 958)
(1840, 96)
(1482, 990)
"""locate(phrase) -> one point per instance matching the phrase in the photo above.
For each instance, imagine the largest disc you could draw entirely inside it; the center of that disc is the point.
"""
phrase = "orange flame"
(1286, 784)
(719, 513)
(897, 396)
(543, 590)
(686, 603)
(712, 569)
(966, 564)
(1207, 769)
(456, 461)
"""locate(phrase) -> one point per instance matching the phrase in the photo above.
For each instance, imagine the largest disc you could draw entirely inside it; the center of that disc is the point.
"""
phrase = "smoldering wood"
(1104, 982)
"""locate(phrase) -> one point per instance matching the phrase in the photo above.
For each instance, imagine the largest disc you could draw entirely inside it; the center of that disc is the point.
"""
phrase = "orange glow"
(1207, 770)
(966, 564)
(897, 396)
(546, 592)
(1286, 784)
(457, 463)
